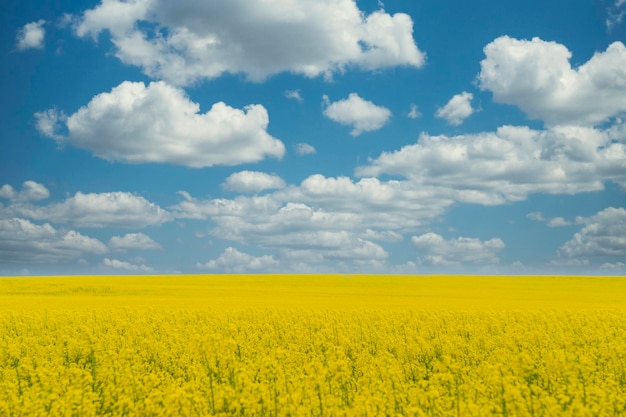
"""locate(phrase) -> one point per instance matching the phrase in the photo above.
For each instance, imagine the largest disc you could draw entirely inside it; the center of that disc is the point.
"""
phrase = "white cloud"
(558, 222)
(114, 209)
(537, 77)
(203, 40)
(24, 242)
(333, 220)
(441, 252)
(319, 203)
(123, 265)
(616, 265)
(299, 223)
(50, 122)
(330, 247)
(31, 36)
(375, 203)
(414, 113)
(135, 123)
(537, 216)
(362, 115)
(383, 236)
(231, 260)
(252, 182)
(615, 14)
(604, 235)
(508, 165)
(31, 191)
(323, 221)
(133, 241)
(552, 222)
(294, 95)
(570, 263)
(118, 17)
(304, 149)
(458, 109)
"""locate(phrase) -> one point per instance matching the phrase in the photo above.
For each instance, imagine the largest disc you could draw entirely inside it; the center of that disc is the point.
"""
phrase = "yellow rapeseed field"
(313, 346)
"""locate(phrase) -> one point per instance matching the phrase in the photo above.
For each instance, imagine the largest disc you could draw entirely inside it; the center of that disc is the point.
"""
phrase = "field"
(313, 346)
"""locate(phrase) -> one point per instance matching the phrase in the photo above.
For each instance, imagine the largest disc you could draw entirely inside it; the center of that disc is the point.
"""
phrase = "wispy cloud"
(304, 149)
(615, 14)
(414, 113)
(294, 95)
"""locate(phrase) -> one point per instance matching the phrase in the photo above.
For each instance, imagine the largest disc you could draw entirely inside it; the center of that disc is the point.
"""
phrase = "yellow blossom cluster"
(150, 360)
(267, 363)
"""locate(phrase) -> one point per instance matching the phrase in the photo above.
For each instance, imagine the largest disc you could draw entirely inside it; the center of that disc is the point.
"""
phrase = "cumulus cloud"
(133, 241)
(114, 209)
(362, 115)
(509, 164)
(31, 36)
(441, 252)
(125, 266)
(536, 76)
(323, 220)
(203, 40)
(458, 109)
(331, 246)
(24, 242)
(304, 149)
(31, 191)
(330, 220)
(252, 182)
(231, 260)
(318, 203)
(604, 235)
(378, 203)
(135, 123)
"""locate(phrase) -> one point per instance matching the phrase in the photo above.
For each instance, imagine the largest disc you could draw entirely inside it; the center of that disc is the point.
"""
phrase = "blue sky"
(147, 136)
